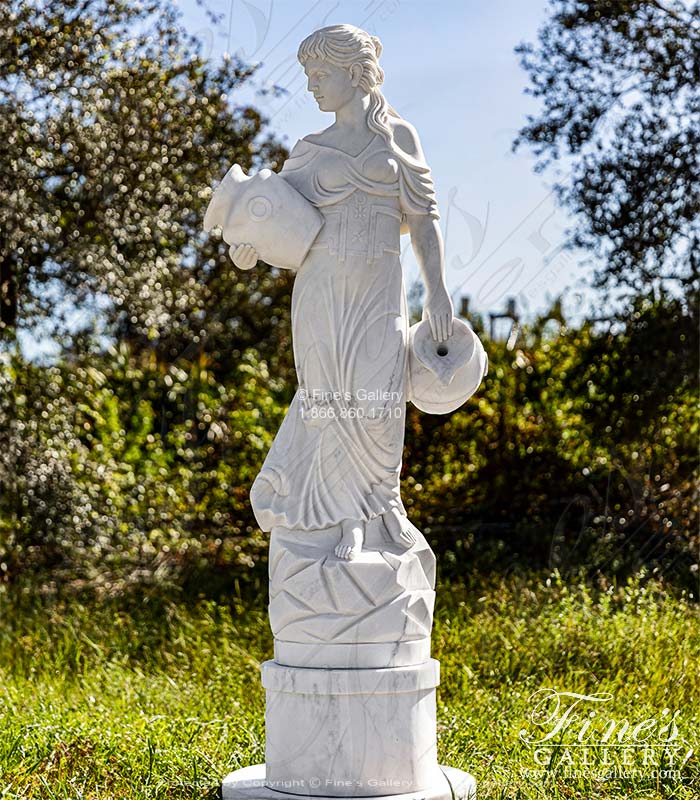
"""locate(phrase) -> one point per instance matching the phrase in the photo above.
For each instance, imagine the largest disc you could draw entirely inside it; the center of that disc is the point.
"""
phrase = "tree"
(113, 127)
(619, 82)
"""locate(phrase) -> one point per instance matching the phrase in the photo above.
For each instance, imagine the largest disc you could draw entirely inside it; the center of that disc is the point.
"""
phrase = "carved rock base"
(249, 783)
(374, 611)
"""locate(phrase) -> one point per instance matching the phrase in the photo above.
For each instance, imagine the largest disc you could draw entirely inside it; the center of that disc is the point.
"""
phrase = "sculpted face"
(331, 86)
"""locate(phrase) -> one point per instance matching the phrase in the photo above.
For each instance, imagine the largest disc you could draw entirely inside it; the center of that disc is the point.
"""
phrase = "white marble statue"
(351, 579)
(337, 457)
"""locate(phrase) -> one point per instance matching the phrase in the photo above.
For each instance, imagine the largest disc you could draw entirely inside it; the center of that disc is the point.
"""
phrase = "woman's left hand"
(439, 312)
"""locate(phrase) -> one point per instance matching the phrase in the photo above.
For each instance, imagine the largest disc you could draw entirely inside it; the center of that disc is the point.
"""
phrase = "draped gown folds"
(337, 455)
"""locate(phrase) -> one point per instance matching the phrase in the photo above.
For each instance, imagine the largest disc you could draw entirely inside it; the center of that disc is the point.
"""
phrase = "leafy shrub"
(579, 451)
(125, 469)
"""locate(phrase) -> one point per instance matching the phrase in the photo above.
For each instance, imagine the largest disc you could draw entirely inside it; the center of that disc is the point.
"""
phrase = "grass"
(161, 699)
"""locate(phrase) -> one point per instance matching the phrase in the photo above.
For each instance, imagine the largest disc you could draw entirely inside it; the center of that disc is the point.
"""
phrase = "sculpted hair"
(343, 46)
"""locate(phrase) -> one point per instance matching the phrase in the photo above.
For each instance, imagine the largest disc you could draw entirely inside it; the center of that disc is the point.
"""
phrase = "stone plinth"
(351, 732)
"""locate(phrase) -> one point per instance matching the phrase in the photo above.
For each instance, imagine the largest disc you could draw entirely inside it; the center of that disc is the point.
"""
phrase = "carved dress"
(338, 452)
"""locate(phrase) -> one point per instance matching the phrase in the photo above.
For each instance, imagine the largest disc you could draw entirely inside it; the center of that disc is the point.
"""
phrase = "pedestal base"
(351, 732)
(249, 784)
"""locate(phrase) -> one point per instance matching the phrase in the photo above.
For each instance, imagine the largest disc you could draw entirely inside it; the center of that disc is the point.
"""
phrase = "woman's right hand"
(244, 256)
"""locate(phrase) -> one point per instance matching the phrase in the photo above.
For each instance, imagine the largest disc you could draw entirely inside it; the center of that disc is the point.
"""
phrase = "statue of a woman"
(351, 692)
(337, 456)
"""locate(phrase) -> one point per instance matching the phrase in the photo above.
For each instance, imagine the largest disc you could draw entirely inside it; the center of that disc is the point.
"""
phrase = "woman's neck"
(353, 115)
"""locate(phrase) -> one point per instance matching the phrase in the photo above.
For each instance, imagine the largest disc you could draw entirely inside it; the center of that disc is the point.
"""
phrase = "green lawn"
(159, 699)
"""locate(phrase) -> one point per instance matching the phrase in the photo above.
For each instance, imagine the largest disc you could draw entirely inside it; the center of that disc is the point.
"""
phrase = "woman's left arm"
(427, 244)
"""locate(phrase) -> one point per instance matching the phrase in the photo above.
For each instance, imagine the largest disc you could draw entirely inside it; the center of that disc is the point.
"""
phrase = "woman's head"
(339, 61)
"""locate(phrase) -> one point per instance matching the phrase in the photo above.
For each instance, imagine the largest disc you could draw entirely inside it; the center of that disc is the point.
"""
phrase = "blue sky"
(450, 70)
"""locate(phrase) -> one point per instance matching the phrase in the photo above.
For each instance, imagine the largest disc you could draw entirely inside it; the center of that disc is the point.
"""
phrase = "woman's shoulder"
(302, 148)
(406, 137)
(319, 137)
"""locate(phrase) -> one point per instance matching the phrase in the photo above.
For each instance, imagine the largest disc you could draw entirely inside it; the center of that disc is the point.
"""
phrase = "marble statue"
(351, 690)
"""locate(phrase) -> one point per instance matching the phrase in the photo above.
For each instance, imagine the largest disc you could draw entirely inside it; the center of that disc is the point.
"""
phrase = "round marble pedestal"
(249, 784)
(351, 732)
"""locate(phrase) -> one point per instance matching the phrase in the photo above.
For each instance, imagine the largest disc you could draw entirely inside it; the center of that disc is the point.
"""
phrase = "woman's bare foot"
(351, 539)
(400, 529)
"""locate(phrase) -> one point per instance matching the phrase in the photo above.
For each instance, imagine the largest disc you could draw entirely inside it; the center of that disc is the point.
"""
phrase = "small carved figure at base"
(399, 528)
(351, 539)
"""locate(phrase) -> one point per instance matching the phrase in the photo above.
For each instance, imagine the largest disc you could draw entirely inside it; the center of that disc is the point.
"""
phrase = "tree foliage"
(134, 463)
(619, 83)
(113, 128)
